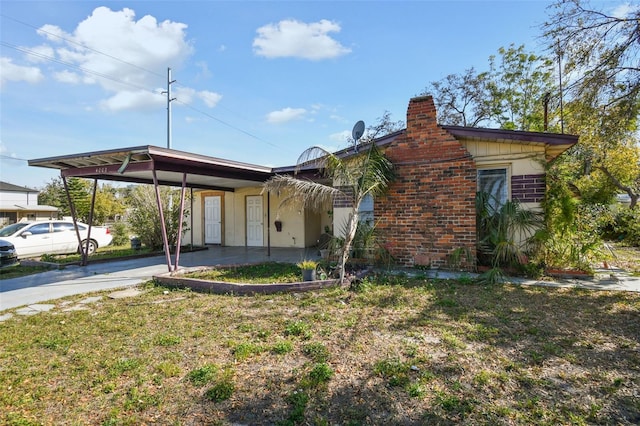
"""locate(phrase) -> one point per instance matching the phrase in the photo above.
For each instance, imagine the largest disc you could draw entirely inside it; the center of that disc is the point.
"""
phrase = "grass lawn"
(21, 270)
(103, 253)
(397, 351)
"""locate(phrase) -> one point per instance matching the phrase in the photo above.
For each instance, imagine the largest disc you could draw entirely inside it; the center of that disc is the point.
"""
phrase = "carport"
(157, 166)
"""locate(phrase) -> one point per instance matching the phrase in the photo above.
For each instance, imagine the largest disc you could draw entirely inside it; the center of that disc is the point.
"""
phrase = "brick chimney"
(429, 212)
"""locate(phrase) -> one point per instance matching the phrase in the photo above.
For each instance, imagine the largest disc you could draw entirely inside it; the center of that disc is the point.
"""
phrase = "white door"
(212, 220)
(254, 221)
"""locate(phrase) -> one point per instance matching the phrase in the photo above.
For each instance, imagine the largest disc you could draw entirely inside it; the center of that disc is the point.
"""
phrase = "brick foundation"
(429, 211)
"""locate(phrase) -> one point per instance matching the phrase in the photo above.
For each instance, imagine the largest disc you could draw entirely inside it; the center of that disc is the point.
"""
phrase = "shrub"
(626, 226)
(120, 234)
(144, 217)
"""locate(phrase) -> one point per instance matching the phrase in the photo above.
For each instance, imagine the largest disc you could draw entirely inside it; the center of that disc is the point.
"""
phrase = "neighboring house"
(428, 213)
(21, 203)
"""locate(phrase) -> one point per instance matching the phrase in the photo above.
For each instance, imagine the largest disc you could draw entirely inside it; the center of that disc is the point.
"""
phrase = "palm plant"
(503, 232)
(352, 178)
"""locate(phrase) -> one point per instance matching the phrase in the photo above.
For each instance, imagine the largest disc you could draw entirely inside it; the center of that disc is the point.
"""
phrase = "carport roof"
(137, 164)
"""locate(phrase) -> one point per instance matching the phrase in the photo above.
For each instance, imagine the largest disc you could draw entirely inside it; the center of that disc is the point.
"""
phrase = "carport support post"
(268, 224)
(165, 238)
(85, 250)
(72, 207)
(179, 242)
(191, 214)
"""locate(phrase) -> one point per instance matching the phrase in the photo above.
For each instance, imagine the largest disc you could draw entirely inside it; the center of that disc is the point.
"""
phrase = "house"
(21, 203)
(430, 209)
(428, 213)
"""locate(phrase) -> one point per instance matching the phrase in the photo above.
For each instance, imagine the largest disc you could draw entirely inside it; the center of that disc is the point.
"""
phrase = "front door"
(254, 221)
(212, 220)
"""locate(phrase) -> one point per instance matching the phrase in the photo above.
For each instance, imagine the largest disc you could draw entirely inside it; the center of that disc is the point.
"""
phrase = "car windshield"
(8, 231)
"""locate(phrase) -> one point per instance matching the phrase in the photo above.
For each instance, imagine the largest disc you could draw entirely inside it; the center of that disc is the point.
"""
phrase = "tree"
(54, 194)
(511, 94)
(144, 217)
(351, 178)
(107, 204)
(600, 51)
(518, 83)
(607, 159)
(462, 99)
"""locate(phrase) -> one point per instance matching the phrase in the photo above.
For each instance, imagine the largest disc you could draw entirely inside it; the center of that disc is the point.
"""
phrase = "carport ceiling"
(137, 164)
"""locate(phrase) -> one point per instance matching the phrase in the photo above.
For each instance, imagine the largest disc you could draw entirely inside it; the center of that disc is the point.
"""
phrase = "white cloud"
(12, 72)
(40, 54)
(125, 100)
(53, 33)
(6, 153)
(340, 137)
(118, 53)
(210, 99)
(204, 70)
(68, 77)
(291, 38)
(625, 10)
(183, 94)
(285, 115)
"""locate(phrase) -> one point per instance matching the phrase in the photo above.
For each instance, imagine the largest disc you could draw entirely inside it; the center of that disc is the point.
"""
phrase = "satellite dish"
(358, 131)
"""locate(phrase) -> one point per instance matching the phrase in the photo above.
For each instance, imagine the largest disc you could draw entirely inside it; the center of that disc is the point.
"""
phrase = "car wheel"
(92, 247)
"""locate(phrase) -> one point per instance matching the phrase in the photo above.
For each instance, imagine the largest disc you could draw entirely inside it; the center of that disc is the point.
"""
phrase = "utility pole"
(169, 100)
(561, 95)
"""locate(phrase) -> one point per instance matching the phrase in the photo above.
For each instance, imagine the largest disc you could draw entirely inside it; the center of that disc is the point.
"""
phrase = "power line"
(81, 45)
(226, 124)
(8, 157)
(72, 65)
(105, 76)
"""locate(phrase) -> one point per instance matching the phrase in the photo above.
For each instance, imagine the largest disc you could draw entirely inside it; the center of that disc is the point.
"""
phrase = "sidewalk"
(603, 279)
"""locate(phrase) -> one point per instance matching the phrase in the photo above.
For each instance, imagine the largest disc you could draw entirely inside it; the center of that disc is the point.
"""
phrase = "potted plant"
(308, 269)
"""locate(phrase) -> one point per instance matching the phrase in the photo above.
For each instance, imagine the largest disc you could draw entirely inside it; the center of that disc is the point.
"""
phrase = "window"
(366, 210)
(41, 228)
(494, 183)
(62, 226)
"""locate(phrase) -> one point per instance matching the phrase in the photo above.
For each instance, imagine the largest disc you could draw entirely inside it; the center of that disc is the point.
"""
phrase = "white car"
(36, 238)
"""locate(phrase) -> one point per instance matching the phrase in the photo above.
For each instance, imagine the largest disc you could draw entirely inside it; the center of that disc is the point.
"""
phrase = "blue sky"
(256, 82)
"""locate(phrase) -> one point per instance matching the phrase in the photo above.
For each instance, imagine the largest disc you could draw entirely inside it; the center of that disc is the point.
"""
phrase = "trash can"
(135, 243)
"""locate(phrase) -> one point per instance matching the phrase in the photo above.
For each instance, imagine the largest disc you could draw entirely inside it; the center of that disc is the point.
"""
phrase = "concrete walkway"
(73, 280)
(38, 288)
(603, 279)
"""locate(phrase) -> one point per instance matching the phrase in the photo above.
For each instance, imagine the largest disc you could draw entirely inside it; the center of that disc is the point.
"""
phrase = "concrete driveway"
(74, 280)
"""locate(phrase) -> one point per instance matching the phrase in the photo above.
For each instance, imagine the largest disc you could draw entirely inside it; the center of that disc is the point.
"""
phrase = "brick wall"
(430, 209)
(528, 188)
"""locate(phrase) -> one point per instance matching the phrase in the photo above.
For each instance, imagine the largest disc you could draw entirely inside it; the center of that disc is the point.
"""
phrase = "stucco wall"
(299, 229)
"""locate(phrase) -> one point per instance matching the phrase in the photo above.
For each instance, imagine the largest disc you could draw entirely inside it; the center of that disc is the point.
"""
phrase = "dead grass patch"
(398, 351)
